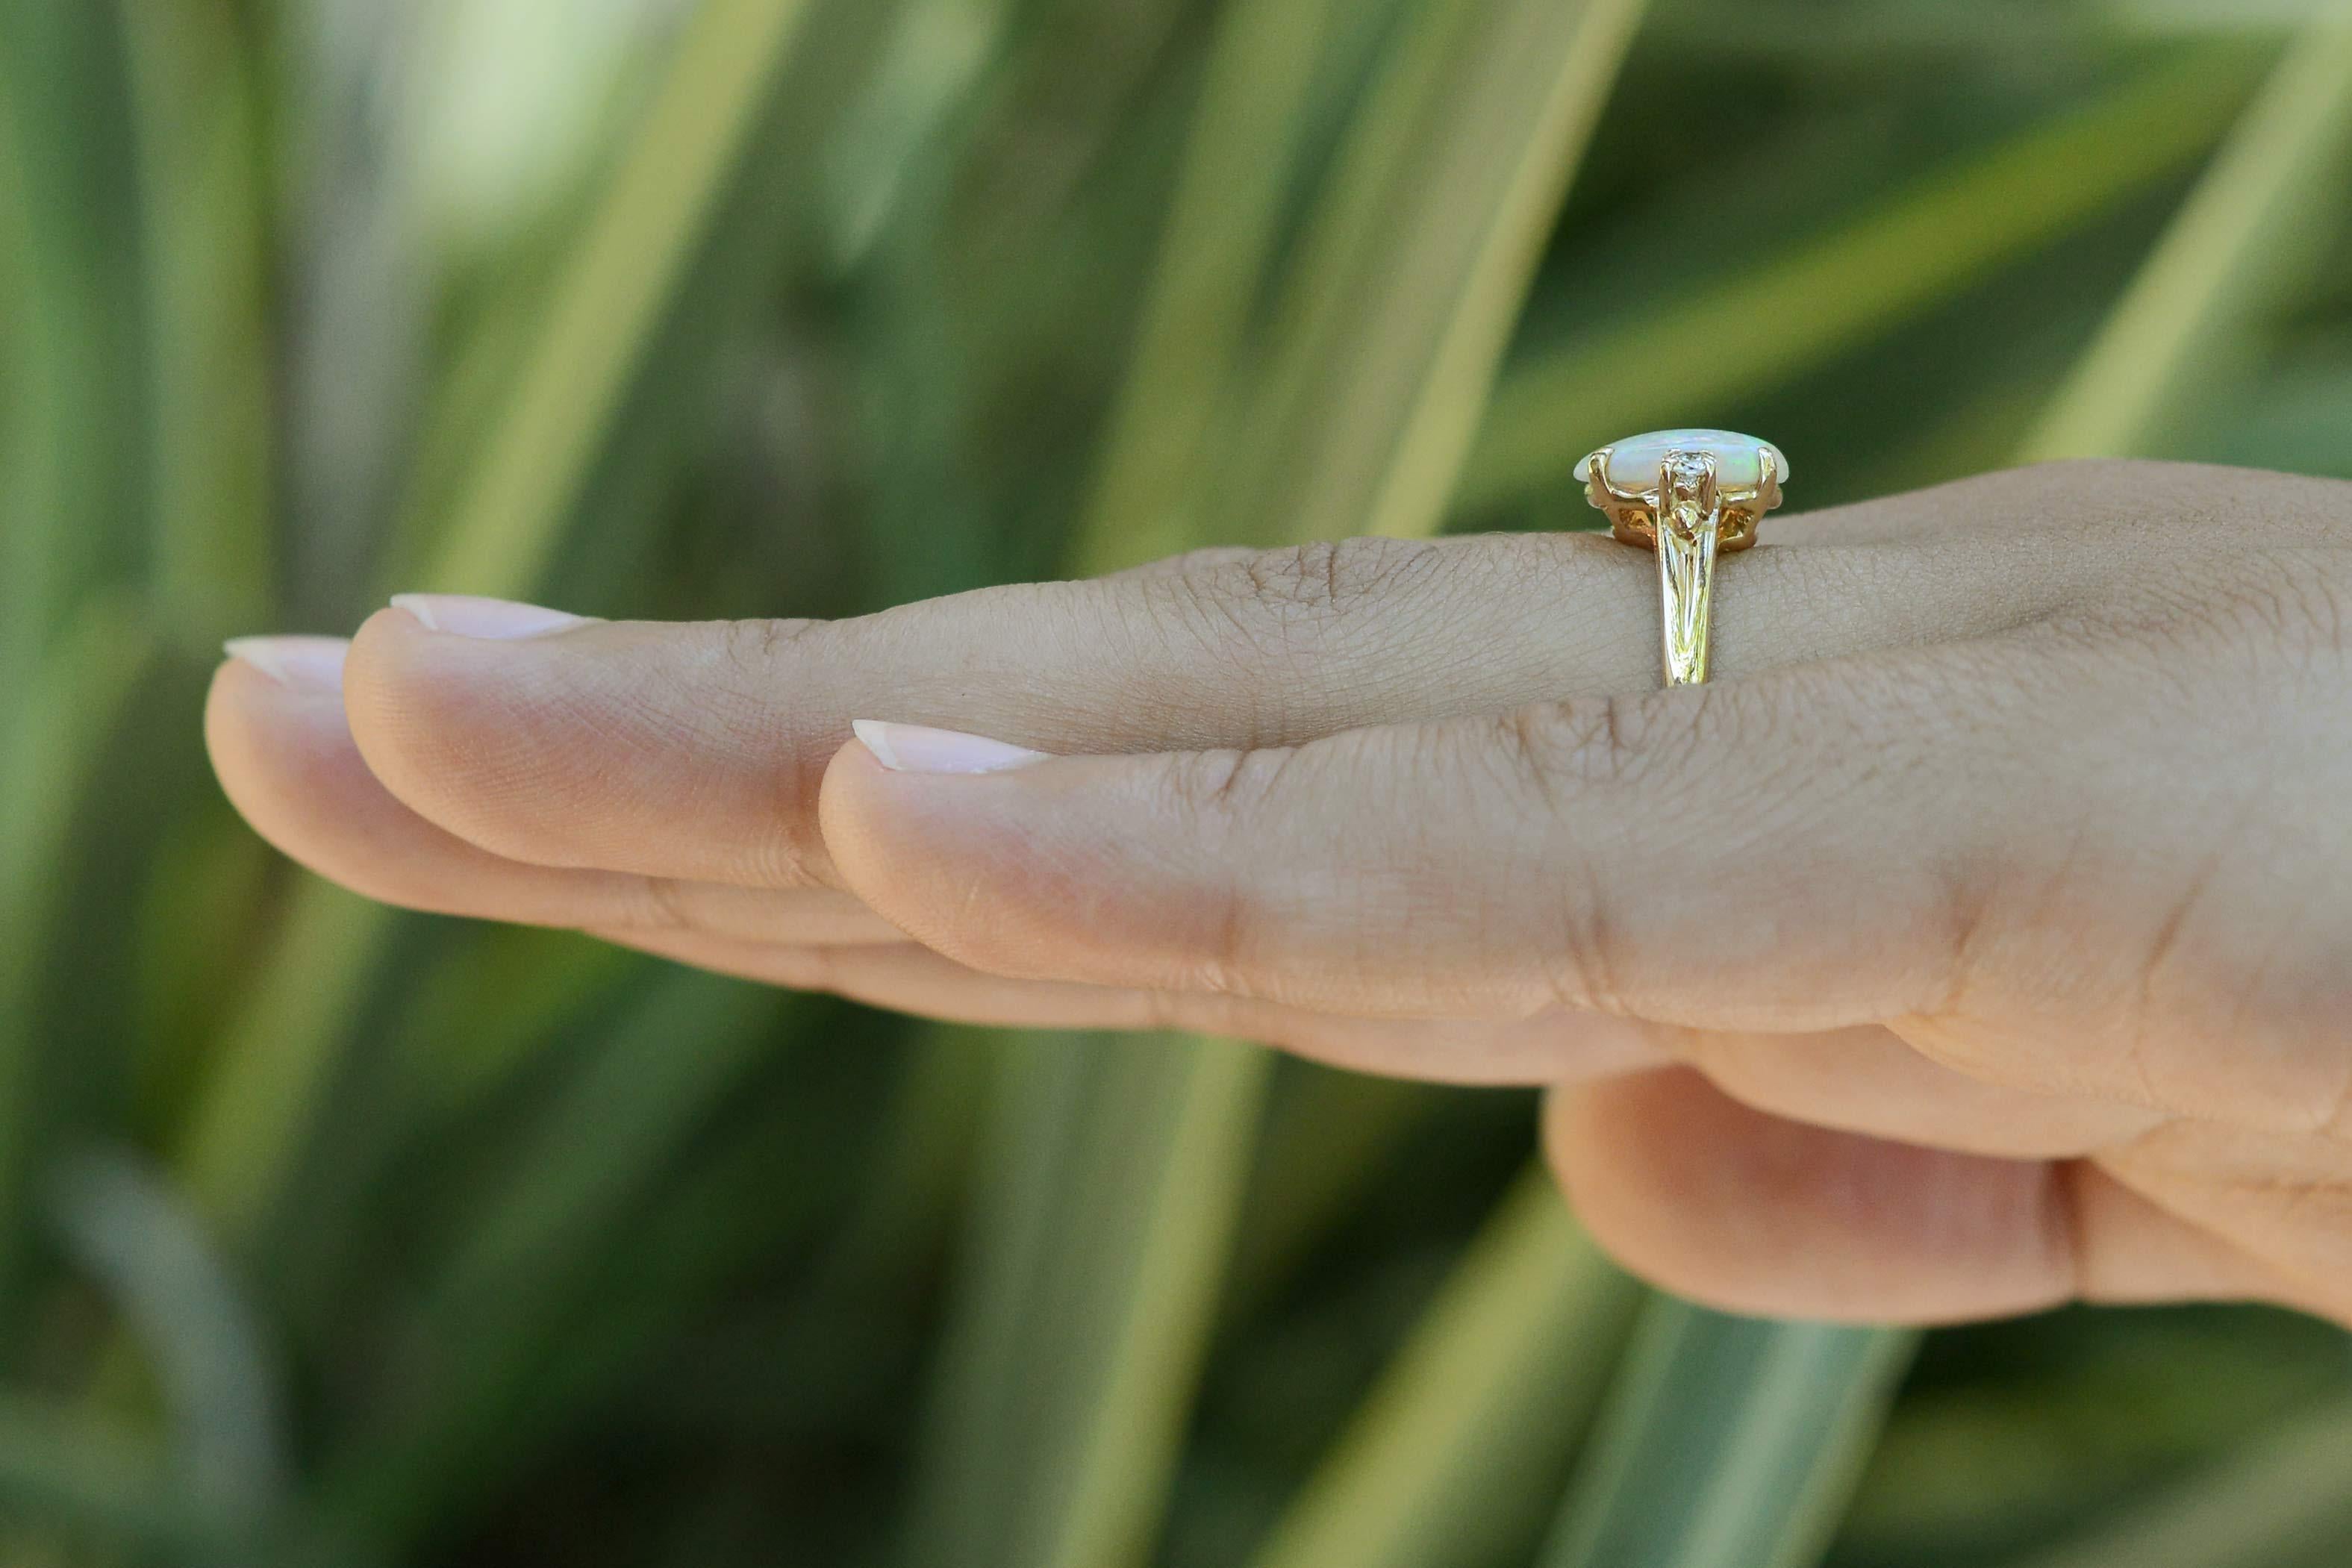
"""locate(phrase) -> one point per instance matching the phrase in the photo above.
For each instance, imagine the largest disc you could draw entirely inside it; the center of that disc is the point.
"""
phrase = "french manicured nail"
(311, 662)
(497, 620)
(911, 748)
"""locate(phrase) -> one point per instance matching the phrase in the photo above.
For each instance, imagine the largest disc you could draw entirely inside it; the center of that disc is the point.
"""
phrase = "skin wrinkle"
(2332, 618)
(2338, 1112)
(2068, 1235)
(2164, 947)
(663, 905)
(1220, 627)
(2317, 1289)
(1243, 776)
(1580, 976)
(1778, 1073)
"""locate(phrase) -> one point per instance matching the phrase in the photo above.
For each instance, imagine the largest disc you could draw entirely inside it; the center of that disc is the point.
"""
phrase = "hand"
(1980, 938)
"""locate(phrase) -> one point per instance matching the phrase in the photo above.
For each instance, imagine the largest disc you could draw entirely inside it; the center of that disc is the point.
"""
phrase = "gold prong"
(1768, 486)
(1689, 528)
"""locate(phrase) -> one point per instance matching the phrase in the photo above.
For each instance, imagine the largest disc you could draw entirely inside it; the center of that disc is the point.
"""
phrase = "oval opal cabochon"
(1634, 462)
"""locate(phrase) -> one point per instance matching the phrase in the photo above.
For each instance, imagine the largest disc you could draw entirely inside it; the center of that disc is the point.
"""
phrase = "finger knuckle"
(1269, 596)
(1569, 771)
(1569, 750)
(751, 647)
(1213, 785)
(1569, 759)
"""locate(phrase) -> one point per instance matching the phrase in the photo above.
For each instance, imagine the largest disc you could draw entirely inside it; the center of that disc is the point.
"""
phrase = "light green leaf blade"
(1223, 222)
(1412, 274)
(612, 311)
(937, 50)
(2252, 229)
(79, 377)
(1453, 1455)
(209, 340)
(192, 1323)
(1903, 256)
(1107, 1196)
(54, 740)
(252, 1112)
(608, 306)
(1729, 1443)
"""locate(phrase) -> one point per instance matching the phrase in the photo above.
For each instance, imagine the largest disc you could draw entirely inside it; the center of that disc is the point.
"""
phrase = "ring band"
(1697, 493)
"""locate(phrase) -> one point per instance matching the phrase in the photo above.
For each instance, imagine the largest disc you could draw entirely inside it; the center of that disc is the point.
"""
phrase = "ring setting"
(1690, 496)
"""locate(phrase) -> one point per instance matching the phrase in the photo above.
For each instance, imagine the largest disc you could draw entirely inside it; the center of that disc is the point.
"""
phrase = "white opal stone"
(1634, 462)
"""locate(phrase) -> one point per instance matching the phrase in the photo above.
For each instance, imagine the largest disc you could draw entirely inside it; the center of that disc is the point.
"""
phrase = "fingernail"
(304, 662)
(499, 620)
(912, 749)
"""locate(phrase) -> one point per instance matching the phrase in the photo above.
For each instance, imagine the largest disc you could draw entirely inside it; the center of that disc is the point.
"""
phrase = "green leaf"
(937, 50)
(253, 1110)
(1455, 1455)
(79, 1487)
(192, 1323)
(1412, 271)
(1105, 1204)
(2282, 1503)
(78, 333)
(2253, 228)
(615, 296)
(552, 1223)
(2018, 29)
(1729, 1443)
(202, 213)
(1327, 1129)
(62, 1466)
(614, 312)
(56, 737)
(1901, 256)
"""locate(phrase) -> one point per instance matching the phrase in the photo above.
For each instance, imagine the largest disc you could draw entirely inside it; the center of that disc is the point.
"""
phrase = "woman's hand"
(1980, 938)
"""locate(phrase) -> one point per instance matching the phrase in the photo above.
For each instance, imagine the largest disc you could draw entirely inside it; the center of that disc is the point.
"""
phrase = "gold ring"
(1689, 495)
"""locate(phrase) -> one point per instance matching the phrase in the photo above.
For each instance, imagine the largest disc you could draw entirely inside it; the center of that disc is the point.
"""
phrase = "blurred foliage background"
(330, 1236)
